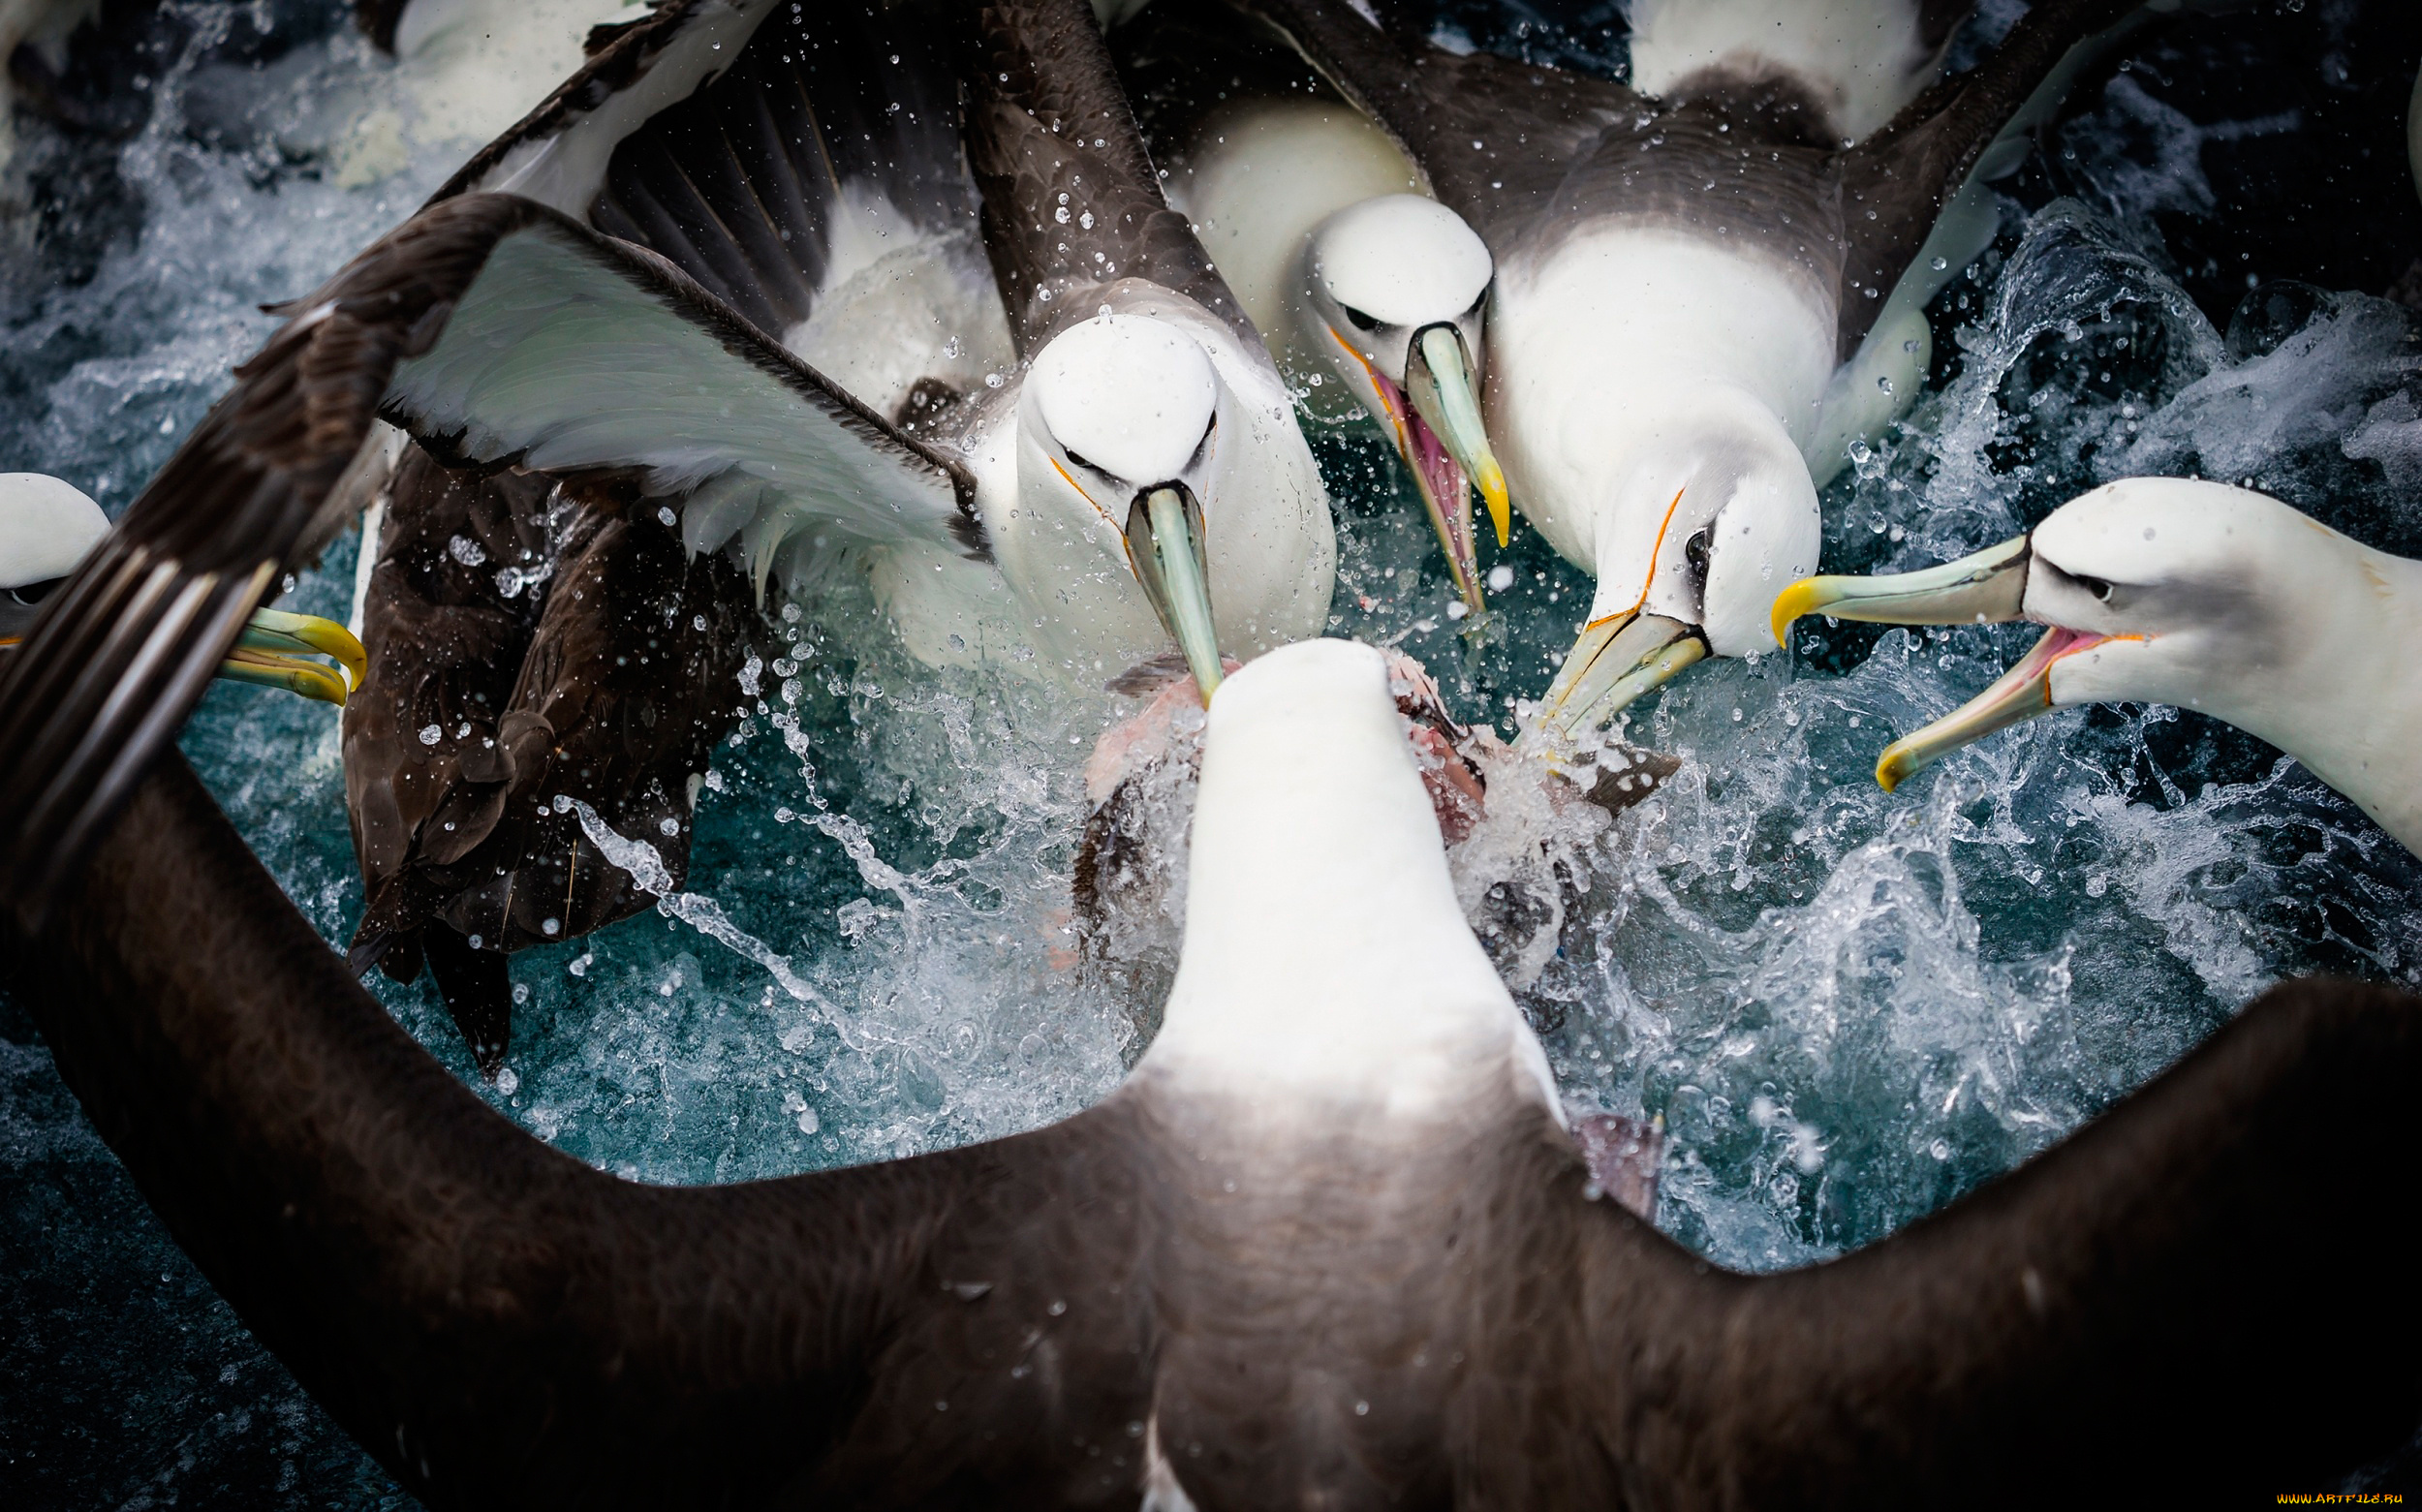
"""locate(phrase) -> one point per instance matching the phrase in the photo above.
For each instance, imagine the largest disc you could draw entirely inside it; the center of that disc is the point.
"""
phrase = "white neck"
(2350, 707)
(1326, 962)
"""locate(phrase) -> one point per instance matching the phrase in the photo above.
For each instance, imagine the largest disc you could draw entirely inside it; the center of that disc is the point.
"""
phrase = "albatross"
(2179, 591)
(1329, 1244)
(1324, 230)
(734, 274)
(48, 525)
(1706, 282)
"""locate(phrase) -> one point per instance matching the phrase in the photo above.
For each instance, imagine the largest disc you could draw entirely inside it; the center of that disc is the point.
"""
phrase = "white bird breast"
(1618, 326)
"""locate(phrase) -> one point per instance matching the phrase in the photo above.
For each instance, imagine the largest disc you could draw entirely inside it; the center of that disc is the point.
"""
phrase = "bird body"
(1328, 1243)
(1735, 249)
(1744, 360)
(2188, 593)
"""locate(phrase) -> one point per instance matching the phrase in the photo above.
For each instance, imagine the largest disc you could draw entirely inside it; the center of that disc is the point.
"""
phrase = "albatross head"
(1695, 529)
(1394, 290)
(2155, 589)
(46, 527)
(1124, 409)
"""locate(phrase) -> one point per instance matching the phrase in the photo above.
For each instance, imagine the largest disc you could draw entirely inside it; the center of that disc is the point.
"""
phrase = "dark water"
(1848, 1008)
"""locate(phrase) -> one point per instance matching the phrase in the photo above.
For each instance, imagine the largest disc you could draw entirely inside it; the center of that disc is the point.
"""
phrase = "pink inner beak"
(1441, 476)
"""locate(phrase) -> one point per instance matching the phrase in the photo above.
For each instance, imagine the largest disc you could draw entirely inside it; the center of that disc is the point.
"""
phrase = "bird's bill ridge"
(1445, 393)
(1988, 587)
(1438, 471)
(1166, 545)
(1616, 661)
(282, 650)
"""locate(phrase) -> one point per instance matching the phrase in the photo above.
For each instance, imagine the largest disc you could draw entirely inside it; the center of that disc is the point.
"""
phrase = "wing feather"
(574, 351)
(1905, 174)
(503, 325)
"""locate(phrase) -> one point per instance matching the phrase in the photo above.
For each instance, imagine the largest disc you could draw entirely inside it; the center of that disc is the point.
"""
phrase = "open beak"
(1988, 588)
(2019, 695)
(1166, 544)
(280, 650)
(1617, 660)
(1437, 415)
(1447, 397)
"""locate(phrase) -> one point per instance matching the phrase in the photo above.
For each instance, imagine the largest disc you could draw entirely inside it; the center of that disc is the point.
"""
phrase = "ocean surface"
(1850, 1007)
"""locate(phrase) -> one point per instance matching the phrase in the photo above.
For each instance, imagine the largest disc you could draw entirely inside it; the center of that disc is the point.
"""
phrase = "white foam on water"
(1848, 1005)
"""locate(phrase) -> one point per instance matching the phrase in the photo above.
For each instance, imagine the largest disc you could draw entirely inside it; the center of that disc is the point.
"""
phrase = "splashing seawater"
(1848, 1006)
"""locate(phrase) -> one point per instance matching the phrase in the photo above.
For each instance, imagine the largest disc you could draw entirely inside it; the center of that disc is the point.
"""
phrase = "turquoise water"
(1848, 1006)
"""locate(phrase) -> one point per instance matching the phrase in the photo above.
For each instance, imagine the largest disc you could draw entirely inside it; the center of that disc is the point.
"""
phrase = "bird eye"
(1694, 552)
(1079, 460)
(2095, 586)
(1361, 321)
(1478, 300)
(33, 593)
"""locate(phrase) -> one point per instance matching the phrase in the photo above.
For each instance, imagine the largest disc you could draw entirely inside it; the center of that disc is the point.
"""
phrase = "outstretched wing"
(573, 352)
(509, 329)
(1494, 137)
(1071, 197)
(1896, 183)
(500, 1324)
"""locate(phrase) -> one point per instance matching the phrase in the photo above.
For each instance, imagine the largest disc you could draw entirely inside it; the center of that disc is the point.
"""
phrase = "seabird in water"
(2168, 590)
(1323, 226)
(49, 525)
(1706, 282)
(1329, 1245)
(607, 292)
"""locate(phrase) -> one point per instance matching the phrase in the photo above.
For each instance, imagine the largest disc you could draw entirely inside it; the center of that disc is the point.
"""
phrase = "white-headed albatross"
(1703, 280)
(1329, 1245)
(1324, 230)
(2166, 589)
(48, 525)
(729, 272)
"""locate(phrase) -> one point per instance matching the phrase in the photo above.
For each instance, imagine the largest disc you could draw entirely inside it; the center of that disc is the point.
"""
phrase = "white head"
(46, 527)
(1324, 949)
(1124, 414)
(1713, 509)
(1394, 295)
(2156, 589)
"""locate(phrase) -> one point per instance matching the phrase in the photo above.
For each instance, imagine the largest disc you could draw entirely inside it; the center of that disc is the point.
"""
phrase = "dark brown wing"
(529, 642)
(499, 1324)
(514, 333)
(826, 113)
(1896, 183)
(1496, 138)
(2205, 1290)
(1072, 200)
(121, 653)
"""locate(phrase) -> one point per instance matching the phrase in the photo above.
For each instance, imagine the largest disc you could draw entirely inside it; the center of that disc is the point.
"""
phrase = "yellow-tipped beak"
(2017, 695)
(280, 650)
(1167, 546)
(1490, 482)
(1986, 588)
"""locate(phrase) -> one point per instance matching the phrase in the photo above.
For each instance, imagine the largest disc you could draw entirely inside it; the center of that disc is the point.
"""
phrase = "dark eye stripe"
(32, 594)
(1360, 321)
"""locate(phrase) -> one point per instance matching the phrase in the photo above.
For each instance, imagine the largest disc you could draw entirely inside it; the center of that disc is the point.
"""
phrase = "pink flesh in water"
(1624, 1155)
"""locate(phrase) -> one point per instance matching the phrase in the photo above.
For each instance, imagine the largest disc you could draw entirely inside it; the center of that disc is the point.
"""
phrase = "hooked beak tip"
(1492, 482)
(1801, 598)
(277, 650)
